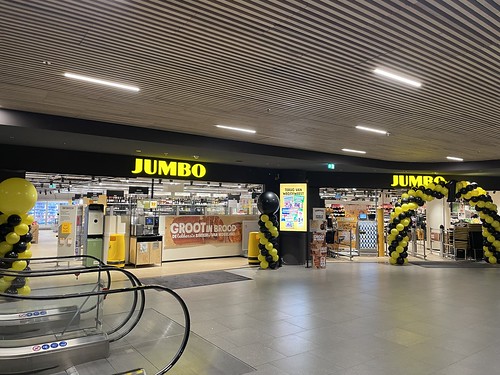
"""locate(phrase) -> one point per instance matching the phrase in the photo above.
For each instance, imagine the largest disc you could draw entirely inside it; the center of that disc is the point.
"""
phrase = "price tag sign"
(66, 227)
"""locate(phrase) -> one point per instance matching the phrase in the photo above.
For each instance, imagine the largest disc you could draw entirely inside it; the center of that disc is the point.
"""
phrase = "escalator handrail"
(187, 319)
(134, 280)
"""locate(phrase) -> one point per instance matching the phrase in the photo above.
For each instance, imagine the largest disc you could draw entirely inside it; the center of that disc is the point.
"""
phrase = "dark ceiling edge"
(111, 130)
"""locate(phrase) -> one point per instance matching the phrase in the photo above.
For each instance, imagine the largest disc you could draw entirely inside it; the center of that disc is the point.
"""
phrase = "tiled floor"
(353, 318)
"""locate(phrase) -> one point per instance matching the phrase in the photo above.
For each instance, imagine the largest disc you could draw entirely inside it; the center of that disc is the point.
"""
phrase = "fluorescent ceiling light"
(454, 158)
(237, 129)
(101, 82)
(355, 151)
(397, 77)
(371, 130)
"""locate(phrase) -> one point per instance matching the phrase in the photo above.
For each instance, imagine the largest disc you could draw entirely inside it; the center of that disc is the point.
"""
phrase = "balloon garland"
(17, 197)
(268, 204)
(475, 196)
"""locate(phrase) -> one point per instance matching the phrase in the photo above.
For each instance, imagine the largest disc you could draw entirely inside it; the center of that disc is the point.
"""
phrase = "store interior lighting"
(101, 82)
(365, 128)
(397, 77)
(65, 186)
(235, 129)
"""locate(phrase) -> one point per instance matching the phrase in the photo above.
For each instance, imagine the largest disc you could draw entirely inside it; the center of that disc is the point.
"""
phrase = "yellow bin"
(253, 248)
(116, 250)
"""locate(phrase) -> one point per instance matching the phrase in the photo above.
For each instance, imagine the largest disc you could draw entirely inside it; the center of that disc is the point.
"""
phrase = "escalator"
(92, 325)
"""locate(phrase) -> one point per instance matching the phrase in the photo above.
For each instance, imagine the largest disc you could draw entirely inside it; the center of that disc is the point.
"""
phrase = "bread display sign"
(191, 230)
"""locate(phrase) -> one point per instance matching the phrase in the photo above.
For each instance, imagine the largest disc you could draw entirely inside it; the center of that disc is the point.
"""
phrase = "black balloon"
(14, 220)
(18, 282)
(400, 260)
(5, 229)
(264, 252)
(28, 237)
(11, 290)
(399, 237)
(20, 247)
(268, 203)
(269, 258)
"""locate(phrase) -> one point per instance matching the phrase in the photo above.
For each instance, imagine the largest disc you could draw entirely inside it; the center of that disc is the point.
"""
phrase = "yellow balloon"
(399, 249)
(488, 253)
(5, 247)
(413, 205)
(19, 265)
(412, 192)
(9, 278)
(264, 265)
(263, 241)
(24, 291)
(25, 254)
(21, 229)
(398, 210)
(491, 239)
(275, 233)
(496, 244)
(405, 207)
(275, 258)
(495, 224)
(3, 218)
(492, 260)
(264, 218)
(400, 227)
(394, 231)
(261, 257)
(273, 252)
(17, 195)
(392, 260)
(395, 255)
(4, 284)
(405, 260)
(273, 229)
(269, 246)
(12, 238)
(28, 219)
(269, 224)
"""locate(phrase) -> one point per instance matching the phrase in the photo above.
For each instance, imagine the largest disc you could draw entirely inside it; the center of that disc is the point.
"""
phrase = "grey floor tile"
(306, 363)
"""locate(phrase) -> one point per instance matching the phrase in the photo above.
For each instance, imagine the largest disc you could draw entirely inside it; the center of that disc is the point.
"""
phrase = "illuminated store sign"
(168, 168)
(402, 180)
(293, 207)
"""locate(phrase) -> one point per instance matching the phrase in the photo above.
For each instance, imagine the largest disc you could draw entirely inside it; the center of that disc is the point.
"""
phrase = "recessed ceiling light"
(101, 82)
(360, 127)
(355, 151)
(138, 150)
(165, 153)
(236, 129)
(454, 158)
(396, 77)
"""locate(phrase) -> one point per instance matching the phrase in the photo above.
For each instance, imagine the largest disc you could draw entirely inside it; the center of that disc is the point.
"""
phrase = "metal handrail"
(141, 288)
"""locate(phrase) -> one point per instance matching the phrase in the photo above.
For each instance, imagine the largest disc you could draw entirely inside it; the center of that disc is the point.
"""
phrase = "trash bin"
(253, 248)
(116, 250)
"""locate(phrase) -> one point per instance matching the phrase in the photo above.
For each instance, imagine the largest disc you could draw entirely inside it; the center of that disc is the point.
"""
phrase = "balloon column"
(268, 204)
(17, 197)
(400, 217)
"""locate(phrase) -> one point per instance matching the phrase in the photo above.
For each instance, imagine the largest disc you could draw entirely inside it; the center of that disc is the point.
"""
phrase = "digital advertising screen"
(293, 207)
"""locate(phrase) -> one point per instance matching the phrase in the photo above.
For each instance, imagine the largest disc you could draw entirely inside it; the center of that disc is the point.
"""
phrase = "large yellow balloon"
(264, 218)
(492, 260)
(28, 219)
(17, 195)
(5, 247)
(264, 265)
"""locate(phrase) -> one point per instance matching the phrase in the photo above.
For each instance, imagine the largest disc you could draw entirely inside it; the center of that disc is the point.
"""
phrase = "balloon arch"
(477, 197)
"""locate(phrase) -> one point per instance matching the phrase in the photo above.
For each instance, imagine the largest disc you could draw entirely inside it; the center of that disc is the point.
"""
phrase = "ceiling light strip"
(101, 82)
(454, 158)
(236, 129)
(371, 129)
(355, 151)
(396, 77)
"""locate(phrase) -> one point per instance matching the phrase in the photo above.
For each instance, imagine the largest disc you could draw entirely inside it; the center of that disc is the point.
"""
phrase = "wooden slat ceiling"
(299, 72)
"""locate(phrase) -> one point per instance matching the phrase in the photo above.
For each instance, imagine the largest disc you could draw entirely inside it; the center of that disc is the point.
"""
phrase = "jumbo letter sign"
(401, 180)
(168, 168)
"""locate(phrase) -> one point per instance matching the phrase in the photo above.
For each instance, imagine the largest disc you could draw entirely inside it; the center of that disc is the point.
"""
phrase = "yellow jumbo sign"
(168, 168)
(402, 180)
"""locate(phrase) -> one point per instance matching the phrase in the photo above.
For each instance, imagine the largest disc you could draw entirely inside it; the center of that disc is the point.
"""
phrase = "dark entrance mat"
(453, 264)
(194, 279)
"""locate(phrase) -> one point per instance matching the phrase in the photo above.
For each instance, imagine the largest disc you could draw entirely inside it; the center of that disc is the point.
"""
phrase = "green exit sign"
(331, 166)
